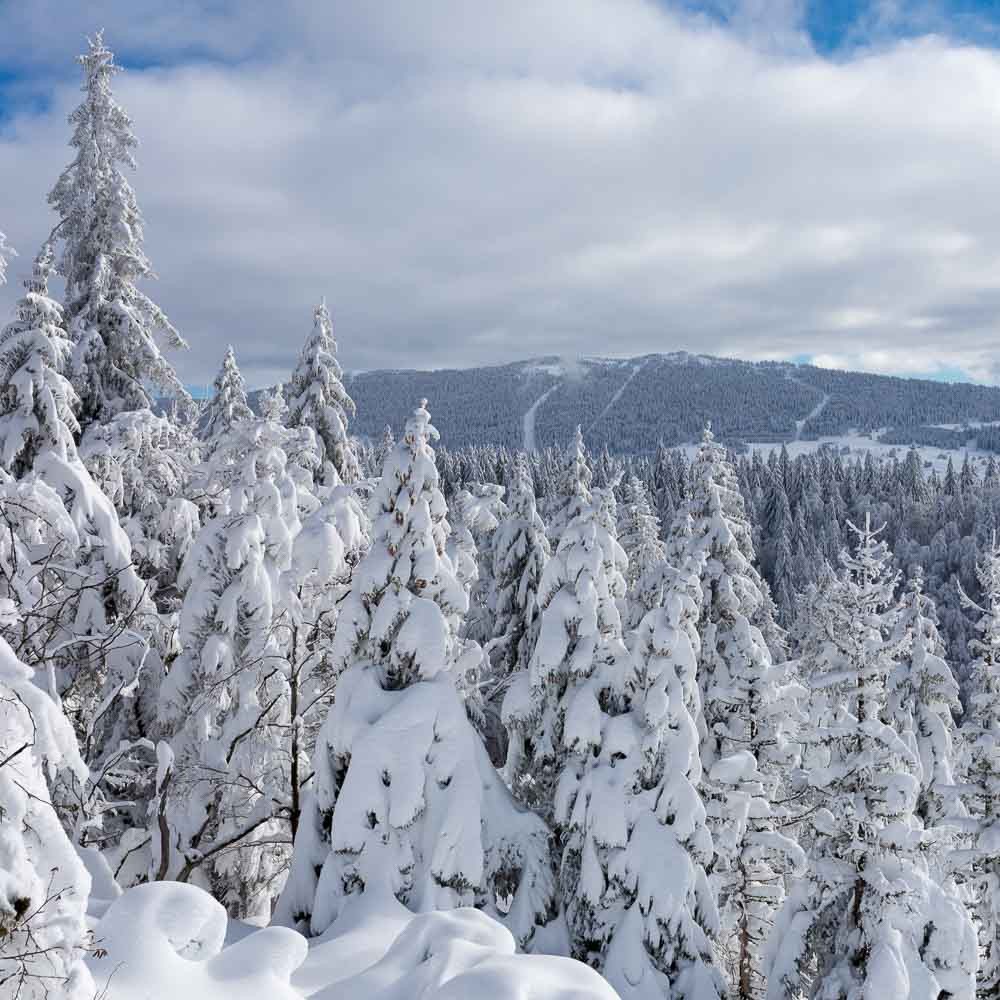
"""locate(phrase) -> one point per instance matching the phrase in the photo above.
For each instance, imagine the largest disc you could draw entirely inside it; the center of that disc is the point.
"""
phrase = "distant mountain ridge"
(632, 404)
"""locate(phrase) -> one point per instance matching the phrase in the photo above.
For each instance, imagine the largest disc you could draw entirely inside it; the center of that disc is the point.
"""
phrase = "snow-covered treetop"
(405, 605)
(103, 258)
(318, 399)
(868, 564)
(573, 494)
(36, 400)
(273, 405)
(229, 404)
(716, 492)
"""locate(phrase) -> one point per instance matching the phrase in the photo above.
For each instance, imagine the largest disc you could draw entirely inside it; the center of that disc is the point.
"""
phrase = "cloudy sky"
(474, 181)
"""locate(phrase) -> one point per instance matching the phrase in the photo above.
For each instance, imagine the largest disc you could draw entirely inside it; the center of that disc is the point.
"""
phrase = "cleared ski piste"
(531, 414)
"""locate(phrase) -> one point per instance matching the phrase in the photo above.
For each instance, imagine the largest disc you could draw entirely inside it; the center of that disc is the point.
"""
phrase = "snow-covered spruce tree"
(483, 509)
(751, 707)
(464, 556)
(866, 920)
(639, 534)
(922, 701)
(981, 773)
(222, 808)
(569, 717)
(143, 463)
(520, 554)
(385, 446)
(36, 409)
(113, 324)
(84, 609)
(572, 491)
(44, 888)
(228, 404)
(273, 405)
(532, 709)
(333, 539)
(643, 911)
(407, 804)
(317, 397)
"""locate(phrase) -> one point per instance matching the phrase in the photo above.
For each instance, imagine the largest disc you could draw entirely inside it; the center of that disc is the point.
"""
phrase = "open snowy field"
(856, 446)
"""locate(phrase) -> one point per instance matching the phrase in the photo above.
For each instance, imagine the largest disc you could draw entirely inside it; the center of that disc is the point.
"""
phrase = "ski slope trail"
(814, 412)
(619, 392)
(529, 419)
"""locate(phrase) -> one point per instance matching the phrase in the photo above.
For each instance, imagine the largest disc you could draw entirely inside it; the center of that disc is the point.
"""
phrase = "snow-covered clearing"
(967, 425)
(529, 418)
(166, 940)
(857, 444)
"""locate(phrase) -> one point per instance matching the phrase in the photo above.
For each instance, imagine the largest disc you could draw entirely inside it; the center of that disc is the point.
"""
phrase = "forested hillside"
(633, 404)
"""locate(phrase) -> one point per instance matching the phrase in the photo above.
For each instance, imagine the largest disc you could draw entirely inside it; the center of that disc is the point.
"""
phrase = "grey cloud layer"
(497, 181)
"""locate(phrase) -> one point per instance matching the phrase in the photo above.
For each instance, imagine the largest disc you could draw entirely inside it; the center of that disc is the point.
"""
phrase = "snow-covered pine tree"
(44, 889)
(981, 771)
(333, 539)
(386, 445)
(520, 554)
(464, 555)
(143, 463)
(572, 491)
(113, 324)
(483, 509)
(922, 703)
(639, 535)
(36, 408)
(83, 609)
(867, 920)
(751, 707)
(223, 780)
(651, 914)
(568, 716)
(228, 404)
(407, 804)
(532, 709)
(273, 405)
(317, 397)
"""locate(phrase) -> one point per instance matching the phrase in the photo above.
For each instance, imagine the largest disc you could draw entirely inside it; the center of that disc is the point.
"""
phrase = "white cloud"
(473, 182)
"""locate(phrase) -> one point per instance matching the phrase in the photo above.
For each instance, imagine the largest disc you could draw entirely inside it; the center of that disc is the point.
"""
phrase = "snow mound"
(462, 953)
(165, 940)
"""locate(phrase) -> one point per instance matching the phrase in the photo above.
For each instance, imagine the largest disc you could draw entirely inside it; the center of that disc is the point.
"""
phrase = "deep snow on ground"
(168, 941)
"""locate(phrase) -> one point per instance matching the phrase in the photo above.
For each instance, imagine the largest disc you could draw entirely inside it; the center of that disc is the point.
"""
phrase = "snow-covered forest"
(288, 711)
